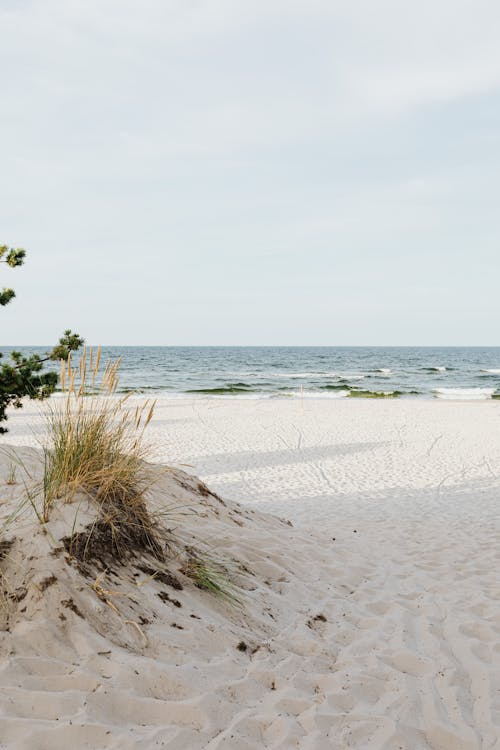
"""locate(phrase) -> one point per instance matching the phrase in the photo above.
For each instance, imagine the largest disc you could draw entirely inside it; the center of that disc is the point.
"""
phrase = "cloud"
(201, 132)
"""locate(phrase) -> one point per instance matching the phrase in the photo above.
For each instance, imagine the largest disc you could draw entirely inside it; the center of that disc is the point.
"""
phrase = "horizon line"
(272, 346)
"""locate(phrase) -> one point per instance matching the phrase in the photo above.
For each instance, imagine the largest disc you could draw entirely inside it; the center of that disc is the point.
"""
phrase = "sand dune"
(373, 622)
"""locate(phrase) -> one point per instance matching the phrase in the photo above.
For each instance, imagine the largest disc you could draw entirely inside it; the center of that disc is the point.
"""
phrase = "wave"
(141, 389)
(465, 394)
(493, 371)
(435, 369)
(384, 370)
(342, 386)
(159, 393)
(374, 394)
(301, 375)
(317, 394)
(222, 391)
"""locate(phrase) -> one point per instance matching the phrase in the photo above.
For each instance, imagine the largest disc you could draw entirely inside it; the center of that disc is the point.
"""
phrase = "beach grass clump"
(208, 575)
(96, 447)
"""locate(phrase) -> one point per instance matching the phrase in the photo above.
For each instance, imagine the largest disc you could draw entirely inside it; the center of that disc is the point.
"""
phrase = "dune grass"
(96, 447)
(208, 575)
(94, 452)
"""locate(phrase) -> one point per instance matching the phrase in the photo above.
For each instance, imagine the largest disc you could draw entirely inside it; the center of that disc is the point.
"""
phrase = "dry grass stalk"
(11, 475)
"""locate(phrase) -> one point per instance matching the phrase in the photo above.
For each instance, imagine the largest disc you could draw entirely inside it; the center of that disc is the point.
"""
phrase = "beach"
(250, 375)
(384, 594)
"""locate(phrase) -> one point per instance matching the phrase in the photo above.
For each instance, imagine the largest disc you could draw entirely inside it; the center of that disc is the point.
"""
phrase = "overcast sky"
(251, 171)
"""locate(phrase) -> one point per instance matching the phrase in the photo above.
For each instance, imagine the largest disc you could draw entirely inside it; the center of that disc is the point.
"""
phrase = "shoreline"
(154, 393)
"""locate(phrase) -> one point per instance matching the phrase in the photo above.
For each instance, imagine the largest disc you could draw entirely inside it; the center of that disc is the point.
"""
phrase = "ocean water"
(307, 372)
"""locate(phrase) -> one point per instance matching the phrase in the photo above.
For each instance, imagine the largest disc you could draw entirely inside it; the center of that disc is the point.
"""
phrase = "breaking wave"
(465, 394)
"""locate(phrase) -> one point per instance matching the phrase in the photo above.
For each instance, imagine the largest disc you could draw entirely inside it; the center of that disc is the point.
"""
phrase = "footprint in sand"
(409, 663)
(379, 607)
(477, 630)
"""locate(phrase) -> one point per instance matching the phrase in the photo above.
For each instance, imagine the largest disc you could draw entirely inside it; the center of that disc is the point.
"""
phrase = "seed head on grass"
(96, 447)
(11, 475)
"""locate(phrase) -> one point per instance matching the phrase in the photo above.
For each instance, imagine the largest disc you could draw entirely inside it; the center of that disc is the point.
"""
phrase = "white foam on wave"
(493, 371)
(240, 396)
(348, 376)
(262, 395)
(466, 394)
(302, 375)
(169, 396)
(438, 369)
(316, 394)
(384, 370)
(159, 393)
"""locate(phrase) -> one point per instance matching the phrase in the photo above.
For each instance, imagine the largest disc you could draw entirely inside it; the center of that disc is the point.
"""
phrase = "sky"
(251, 172)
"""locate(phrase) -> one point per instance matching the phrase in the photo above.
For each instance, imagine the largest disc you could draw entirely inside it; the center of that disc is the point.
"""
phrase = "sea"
(285, 372)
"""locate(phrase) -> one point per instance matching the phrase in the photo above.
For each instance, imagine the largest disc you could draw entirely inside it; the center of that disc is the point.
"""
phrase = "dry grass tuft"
(96, 447)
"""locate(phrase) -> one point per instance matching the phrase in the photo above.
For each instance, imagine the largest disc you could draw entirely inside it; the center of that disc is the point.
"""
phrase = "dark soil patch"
(203, 489)
(70, 604)
(163, 576)
(200, 487)
(19, 594)
(205, 492)
(103, 541)
(165, 597)
(315, 620)
(49, 581)
(242, 646)
(244, 568)
(84, 569)
(236, 520)
(5, 546)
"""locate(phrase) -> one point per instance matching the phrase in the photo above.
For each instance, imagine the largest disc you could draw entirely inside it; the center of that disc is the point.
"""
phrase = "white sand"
(396, 544)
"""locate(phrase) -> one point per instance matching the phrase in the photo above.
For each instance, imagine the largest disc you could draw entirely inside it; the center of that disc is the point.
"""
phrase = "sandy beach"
(371, 623)
(249, 270)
